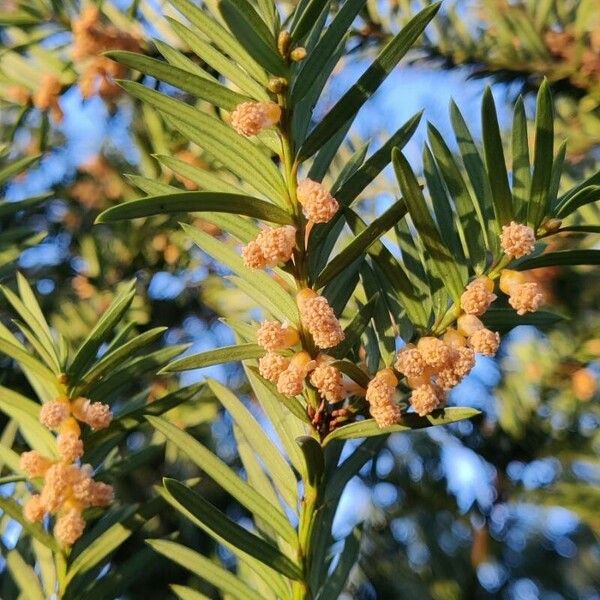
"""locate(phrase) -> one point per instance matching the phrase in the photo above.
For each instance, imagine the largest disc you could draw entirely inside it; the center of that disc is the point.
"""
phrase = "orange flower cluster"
(433, 367)
(287, 374)
(273, 335)
(102, 183)
(290, 374)
(47, 95)
(91, 38)
(68, 488)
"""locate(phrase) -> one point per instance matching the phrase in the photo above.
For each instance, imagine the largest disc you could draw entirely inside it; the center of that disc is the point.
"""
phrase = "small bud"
(454, 339)
(250, 118)
(277, 85)
(291, 381)
(283, 43)
(272, 365)
(551, 225)
(409, 362)
(69, 527)
(298, 54)
(54, 413)
(328, 380)
(468, 324)
(508, 279)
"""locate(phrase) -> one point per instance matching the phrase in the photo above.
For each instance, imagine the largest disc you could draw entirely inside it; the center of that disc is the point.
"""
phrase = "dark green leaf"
(305, 17)
(476, 172)
(215, 357)
(314, 63)
(494, 160)
(557, 168)
(336, 582)
(354, 372)
(368, 83)
(198, 509)
(504, 319)
(313, 457)
(372, 167)
(107, 322)
(202, 88)
(116, 357)
(442, 211)
(560, 258)
(470, 219)
(10, 208)
(542, 158)
(521, 168)
(409, 421)
(581, 198)
(443, 261)
(253, 34)
(355, 329)
(361, 243)
(190, 202)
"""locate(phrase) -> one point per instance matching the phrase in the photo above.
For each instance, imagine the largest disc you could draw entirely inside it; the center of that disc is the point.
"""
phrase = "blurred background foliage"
(503, 507)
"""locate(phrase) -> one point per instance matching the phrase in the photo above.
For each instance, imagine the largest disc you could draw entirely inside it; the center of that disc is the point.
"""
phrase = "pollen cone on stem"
(478, 296)
(517, 240)
(526, 297)
(380, 396)
(410, 362)
(272, 246)
(291, 381)
(484, 341)
(318, 317)
(250, 118)
(273, 335)
(272, 365)
(318, 205)
(329, 382)
(426, 398)
(523, 295)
